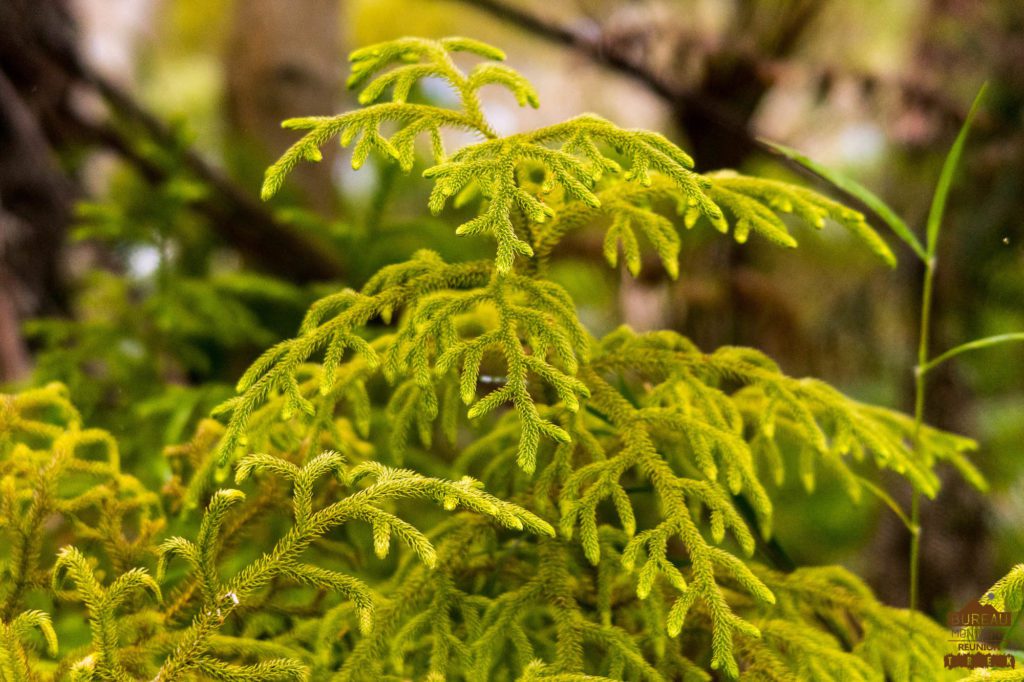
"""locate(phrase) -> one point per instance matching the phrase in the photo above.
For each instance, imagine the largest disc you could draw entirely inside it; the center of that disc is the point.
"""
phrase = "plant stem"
(932, 231)
(915, 545)
(919, 402)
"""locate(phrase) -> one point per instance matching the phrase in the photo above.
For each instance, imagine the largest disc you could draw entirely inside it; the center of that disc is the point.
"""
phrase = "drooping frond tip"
(413, 59)
(573, 157)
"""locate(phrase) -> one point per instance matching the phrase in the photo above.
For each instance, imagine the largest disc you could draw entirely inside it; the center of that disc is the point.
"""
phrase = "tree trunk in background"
(35, 195)
(35, 207)
(284, 59)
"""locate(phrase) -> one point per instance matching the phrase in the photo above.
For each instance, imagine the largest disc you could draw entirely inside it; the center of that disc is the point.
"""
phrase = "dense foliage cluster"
(444, 475)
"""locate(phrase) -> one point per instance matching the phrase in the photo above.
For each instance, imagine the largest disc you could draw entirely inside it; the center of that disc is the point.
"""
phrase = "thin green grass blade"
(986, 342)
(946, 178)
(855, 189)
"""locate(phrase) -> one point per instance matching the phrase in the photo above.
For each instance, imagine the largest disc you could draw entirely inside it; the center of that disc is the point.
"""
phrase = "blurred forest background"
(138, 266)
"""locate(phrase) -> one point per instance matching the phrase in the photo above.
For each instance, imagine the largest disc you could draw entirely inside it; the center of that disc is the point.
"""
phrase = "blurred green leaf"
(938, 207)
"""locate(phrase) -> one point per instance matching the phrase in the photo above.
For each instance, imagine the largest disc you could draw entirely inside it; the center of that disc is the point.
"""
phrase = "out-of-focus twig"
(36, 41)
(235, 214)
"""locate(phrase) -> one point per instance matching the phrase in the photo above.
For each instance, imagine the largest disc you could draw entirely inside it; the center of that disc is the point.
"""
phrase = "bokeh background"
(138, 266)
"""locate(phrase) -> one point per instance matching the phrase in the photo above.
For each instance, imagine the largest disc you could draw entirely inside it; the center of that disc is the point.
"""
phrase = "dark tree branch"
(34, 43)
(603, 52)
(235, 214)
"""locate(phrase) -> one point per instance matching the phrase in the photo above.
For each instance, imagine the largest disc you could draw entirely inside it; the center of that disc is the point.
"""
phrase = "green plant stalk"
(919, 401)
(920, 388)
(933, 230)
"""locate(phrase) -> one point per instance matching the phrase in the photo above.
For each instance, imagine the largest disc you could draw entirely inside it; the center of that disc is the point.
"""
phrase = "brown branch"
(234, 214)
(34, 43)
(603, 52)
